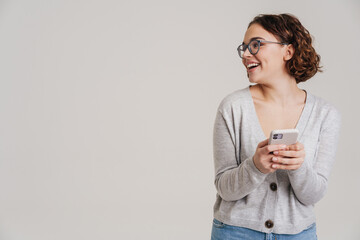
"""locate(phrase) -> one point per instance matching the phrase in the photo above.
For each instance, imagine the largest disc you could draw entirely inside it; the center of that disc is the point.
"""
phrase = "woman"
(269, 191)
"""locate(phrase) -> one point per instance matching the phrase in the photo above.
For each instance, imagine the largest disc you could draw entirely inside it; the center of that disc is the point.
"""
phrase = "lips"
(252, 68)
(247, 63)
(251, 64)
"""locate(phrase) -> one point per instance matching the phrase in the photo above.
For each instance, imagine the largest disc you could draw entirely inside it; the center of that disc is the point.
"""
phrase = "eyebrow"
(254, 38)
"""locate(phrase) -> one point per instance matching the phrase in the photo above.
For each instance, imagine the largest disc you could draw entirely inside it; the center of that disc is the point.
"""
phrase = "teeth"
(252, 65)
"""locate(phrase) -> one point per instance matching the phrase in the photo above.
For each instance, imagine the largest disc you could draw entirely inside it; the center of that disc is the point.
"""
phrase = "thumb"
(263, 143)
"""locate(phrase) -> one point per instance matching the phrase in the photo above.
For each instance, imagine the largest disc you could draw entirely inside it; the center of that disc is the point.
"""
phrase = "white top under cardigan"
(244, 197)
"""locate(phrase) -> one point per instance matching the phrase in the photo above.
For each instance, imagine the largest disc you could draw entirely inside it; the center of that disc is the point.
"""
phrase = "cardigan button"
(269, 224)
(273, 186)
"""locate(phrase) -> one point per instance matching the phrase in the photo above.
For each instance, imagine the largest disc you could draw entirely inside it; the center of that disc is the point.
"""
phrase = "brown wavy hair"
(287, 28)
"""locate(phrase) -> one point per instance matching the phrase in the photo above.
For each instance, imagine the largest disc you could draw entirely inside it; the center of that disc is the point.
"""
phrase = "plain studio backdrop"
(107, 112)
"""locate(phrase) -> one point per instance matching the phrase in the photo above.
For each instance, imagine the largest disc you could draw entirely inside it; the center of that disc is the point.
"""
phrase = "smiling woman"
(304, 62)
(266, 191)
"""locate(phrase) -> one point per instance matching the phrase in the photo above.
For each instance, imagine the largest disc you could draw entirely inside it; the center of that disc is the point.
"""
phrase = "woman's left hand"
(289, 159)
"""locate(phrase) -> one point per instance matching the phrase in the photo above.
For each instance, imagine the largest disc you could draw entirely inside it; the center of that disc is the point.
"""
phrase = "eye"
(254, 45)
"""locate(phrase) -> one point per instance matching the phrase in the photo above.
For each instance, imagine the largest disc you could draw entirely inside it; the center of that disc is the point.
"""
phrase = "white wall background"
(107, 109)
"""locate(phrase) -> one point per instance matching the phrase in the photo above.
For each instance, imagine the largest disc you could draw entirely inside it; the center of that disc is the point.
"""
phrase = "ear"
(289, 52)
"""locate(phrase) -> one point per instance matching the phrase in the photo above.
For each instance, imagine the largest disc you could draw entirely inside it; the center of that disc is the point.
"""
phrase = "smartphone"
(283, 136)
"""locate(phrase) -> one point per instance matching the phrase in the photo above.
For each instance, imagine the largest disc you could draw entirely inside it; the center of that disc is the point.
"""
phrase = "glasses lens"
(241, 50)
(254, 46)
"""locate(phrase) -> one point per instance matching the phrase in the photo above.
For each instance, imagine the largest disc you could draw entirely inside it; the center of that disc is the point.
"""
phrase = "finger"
(285, 167)
(296, 147)
(287, 161)
(291, 154)
(263, 143)
(277, 147)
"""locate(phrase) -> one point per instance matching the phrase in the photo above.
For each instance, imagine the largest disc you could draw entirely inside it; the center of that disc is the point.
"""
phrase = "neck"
(284, 92)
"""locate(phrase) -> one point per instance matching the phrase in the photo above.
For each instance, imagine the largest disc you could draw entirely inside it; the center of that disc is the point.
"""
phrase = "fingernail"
(274, 159)
(274, 166)
(276, 152)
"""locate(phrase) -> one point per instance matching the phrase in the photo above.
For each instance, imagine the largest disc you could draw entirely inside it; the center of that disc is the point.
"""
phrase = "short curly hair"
(287, 28)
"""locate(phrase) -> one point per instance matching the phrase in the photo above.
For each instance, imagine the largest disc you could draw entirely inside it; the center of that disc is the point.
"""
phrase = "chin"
(256, 80)
(253, 79)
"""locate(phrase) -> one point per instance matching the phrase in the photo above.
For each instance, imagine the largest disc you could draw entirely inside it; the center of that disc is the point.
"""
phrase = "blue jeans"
(222, 231)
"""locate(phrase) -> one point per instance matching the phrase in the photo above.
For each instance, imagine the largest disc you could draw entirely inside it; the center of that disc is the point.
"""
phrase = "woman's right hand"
(263, 156)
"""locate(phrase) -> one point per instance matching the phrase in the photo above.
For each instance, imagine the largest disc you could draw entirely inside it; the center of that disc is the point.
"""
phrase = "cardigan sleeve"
(309, 182)
(233, 181)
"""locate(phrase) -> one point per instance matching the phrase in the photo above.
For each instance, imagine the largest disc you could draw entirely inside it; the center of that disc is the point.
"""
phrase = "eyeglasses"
(254, 46)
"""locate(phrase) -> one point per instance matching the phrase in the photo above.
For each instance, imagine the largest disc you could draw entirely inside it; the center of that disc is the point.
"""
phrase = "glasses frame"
(246, 46)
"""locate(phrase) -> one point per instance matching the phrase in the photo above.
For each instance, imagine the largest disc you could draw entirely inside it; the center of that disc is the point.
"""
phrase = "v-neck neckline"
(300, 125)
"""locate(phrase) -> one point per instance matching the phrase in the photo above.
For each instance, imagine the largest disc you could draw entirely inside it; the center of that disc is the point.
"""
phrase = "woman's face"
(270, 56)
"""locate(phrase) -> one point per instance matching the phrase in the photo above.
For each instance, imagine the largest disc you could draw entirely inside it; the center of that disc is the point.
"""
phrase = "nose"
(246, 53)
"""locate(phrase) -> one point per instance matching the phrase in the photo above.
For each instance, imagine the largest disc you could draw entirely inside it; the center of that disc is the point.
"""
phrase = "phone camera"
(277, 136)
